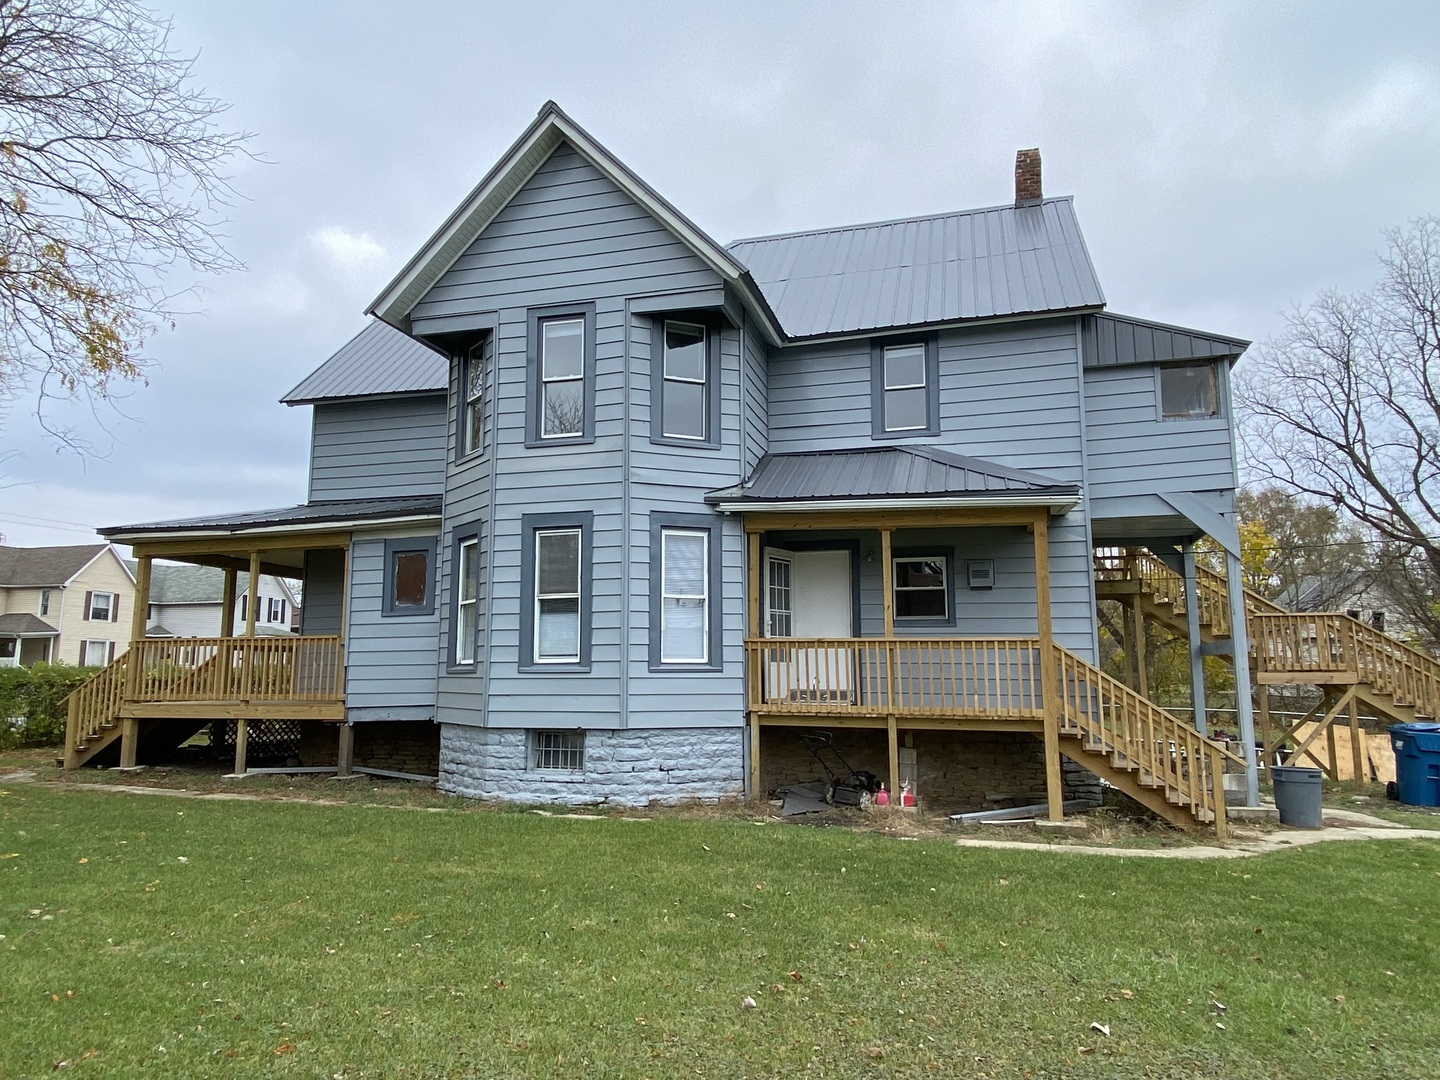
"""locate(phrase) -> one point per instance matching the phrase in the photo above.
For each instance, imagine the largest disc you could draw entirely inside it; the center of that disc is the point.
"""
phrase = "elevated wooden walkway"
(1354, 665)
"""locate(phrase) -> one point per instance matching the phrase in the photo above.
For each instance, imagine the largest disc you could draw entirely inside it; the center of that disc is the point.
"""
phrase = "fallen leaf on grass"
(1339, 999)
(1127, 994)
(795, 976)
(1085, 1050)
(1103, 1029)
(748, 1003)
(84, 861)
(284, 1048)
(10, 855)
(1217, 1006)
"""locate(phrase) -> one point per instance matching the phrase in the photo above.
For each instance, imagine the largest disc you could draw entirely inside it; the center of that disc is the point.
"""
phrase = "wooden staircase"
(92, 721)
(1154, 757)
(1324, 649)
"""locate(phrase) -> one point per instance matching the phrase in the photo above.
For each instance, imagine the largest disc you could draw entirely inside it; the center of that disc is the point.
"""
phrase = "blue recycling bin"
(1417, 763)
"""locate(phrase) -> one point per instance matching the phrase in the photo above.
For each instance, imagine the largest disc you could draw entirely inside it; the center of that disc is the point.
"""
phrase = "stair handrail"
(94, 703)
(1102, 709)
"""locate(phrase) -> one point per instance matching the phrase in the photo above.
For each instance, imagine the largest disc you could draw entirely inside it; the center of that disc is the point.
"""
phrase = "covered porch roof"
(890, 478)
(25, 625)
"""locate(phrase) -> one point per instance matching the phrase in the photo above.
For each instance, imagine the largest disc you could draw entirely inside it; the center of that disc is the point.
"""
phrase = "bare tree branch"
(112, 172)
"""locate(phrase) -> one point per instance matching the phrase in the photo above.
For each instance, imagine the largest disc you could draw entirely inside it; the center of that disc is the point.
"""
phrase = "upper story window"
(905, 393)
(1189, 391)
(684, 383)
(472, 400)
(561, 364)
(409, 577)
(102, 607)
(682, 399)
(44, 601)
(274, 610)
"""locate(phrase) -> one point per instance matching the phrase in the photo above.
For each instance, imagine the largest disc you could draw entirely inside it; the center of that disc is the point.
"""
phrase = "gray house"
(619, 513)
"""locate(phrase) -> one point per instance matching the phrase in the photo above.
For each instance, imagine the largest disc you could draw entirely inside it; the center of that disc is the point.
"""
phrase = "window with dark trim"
(44, 601)
(685, 593)
(685, 381)
(904, 387)
(465, 624)
(1189, 391)
(560, 360)
(555, 606)
(409, 577)
(473, 370)
(923, 587)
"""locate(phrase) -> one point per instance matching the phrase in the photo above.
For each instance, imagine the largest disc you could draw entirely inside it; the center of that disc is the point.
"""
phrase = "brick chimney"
(1027, 176)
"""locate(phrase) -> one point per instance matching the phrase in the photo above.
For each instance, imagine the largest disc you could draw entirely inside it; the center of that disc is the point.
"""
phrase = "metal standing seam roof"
(312, 513)
(378, 360)
(885, 473)
(1112, 340)
(972, 264)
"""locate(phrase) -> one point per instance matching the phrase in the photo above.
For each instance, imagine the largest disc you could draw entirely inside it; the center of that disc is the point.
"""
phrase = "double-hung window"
(467, 599)
(472, 400)
(684, 596)
(905, 398)
(557, 596)
(922, 587)
(684, 592)
(562, 378)
(102, 607)
(682, 399)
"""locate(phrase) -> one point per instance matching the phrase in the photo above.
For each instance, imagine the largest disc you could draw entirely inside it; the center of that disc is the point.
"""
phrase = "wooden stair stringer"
(1154, 798)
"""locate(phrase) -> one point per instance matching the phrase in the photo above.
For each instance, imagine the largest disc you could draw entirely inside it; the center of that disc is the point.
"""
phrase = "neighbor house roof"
(891, 474)
(946, 268)
(38, 566)
(549, 130)
(319, 513)
(1114, 340)
(23, 624)
(378, 360)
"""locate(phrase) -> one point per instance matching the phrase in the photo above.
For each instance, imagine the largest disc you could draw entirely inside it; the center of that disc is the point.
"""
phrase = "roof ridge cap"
(903, 220)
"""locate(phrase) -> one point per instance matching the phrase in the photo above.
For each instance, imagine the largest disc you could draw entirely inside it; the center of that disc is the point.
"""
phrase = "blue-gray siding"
(365, 449)
(571, 236)
(1131, 451)
(1008, 394)
(322, 610)
(389, 661)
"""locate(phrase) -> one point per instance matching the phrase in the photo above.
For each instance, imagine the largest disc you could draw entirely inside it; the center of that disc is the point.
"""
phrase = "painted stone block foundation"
(637, 767)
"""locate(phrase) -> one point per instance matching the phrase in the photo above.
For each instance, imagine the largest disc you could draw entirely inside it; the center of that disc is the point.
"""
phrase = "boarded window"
(411, 576)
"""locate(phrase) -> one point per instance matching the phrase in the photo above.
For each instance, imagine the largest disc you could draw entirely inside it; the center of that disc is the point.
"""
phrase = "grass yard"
(147, 936)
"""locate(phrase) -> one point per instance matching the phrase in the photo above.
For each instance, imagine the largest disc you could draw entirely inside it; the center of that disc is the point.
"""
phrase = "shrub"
(32, 703)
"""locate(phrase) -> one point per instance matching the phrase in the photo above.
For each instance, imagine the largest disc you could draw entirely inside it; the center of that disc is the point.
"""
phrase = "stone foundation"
(637, 767)
(411, 746)
(979, 769)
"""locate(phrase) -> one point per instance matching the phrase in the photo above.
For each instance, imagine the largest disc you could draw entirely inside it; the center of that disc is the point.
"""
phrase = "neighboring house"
(624, 511)
(188, 601)
(65, 605)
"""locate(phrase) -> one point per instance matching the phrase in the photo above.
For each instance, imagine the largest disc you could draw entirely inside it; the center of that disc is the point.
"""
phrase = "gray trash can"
(1297, 796)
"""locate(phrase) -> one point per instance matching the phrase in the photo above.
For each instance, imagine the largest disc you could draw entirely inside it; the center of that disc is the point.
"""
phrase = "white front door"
(808, 595)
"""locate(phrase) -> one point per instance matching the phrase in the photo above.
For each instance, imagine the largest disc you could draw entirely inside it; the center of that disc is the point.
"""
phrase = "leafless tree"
(112, 173)
(1343, 406)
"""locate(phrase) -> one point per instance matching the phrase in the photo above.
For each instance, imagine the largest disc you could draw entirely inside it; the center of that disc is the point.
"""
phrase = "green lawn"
(147, 936)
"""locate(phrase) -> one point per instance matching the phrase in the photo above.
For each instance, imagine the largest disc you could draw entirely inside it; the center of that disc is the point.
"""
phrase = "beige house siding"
(27, 602)
(105, 574)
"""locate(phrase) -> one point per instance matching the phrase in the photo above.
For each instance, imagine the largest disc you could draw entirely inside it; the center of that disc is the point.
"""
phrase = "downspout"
(626, 540)
(492, 375)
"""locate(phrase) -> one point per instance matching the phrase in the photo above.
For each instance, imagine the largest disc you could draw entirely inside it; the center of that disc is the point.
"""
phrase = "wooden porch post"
(1192, 632)
(242, 744)
(1357, 756)
(227, 604)
(345, 757)
(252, 604)
(135, 666)
(1142, 673)
(887, 585)
(1049, 670)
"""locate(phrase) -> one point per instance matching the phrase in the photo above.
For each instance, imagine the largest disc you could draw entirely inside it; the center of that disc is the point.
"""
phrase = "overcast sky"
(1227, 160)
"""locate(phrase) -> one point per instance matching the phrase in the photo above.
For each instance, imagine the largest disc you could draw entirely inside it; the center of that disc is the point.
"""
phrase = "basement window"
(1188, 392)
(559, 751)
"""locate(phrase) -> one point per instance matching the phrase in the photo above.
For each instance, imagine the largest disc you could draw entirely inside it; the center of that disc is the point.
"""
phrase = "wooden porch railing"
(940, 677)
(93, 706)
(262, 669)
(1112, 719)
